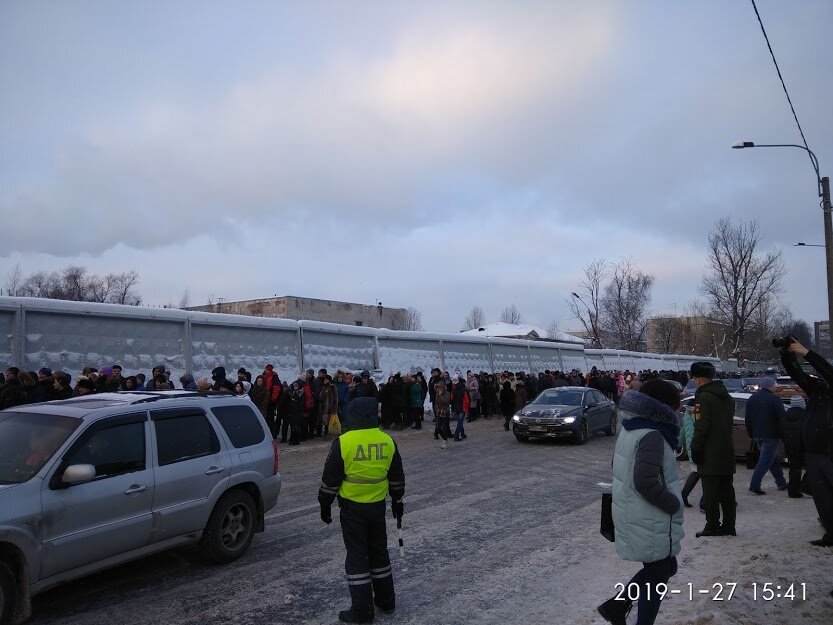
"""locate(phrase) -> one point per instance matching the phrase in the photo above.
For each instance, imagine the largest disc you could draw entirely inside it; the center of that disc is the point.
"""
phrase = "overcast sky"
(438, 155)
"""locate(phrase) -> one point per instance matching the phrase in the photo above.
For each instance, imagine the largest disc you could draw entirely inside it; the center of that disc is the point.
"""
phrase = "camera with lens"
(783, 343)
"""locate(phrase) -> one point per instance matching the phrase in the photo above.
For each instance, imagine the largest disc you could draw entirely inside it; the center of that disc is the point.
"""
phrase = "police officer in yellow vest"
(363, 466)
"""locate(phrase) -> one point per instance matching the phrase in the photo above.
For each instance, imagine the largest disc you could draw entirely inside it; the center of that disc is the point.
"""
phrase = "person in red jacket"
(274, 388)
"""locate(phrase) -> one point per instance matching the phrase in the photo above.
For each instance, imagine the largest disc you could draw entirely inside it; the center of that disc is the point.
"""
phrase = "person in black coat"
(791, 424)
(817, 431)
(764, 411)
(507, 403)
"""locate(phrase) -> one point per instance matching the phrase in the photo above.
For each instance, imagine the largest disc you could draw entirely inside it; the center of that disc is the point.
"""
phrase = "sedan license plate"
(537, 428)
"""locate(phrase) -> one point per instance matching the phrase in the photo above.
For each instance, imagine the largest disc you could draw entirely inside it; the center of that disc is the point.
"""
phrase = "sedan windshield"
(28, 441)
(733, 385)
(560, 398)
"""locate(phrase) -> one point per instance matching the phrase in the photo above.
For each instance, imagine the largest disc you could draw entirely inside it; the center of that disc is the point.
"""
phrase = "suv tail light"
(276, 464)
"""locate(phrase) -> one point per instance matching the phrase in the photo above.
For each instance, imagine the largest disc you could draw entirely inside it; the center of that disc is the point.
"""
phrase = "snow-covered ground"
(771, 547)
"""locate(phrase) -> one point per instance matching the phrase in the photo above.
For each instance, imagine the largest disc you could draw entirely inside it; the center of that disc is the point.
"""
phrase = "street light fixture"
(596, 340)
(802, 244)
(824, 194)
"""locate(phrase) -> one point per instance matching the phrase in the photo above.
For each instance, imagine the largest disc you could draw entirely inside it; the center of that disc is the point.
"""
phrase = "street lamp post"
(824, 194)
(593, 321)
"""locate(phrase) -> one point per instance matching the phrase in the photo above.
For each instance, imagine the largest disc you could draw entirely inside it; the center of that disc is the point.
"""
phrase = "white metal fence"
(71, 335)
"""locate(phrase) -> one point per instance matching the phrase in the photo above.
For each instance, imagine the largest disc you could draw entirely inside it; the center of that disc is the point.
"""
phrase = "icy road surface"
(477, 515)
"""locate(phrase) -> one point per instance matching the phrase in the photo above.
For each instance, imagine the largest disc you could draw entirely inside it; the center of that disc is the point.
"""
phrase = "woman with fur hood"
(647, 504)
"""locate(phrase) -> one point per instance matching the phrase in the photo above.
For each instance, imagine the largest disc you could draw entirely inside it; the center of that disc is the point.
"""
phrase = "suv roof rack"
(173, 394)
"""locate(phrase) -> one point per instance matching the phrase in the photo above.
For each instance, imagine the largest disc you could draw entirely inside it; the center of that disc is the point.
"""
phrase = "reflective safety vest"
(367, 455)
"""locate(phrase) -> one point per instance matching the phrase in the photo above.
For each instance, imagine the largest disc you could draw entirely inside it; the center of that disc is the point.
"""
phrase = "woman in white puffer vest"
(647, 503)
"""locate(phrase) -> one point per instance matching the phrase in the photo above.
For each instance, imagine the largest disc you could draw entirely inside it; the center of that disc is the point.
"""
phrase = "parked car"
(568, 411)
(739, 433)
(787, 388)
(92, 482)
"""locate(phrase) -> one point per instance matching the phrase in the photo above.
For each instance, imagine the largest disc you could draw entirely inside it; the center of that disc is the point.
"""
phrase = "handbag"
(606, 528)
(334, 425)
(752, 455)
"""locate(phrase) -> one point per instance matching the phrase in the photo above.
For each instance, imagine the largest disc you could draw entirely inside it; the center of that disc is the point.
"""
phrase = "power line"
(787, 93)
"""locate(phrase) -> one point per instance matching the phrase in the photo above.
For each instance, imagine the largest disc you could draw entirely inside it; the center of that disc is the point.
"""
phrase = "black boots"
(690, 483)
(348, 616)
(615, 610)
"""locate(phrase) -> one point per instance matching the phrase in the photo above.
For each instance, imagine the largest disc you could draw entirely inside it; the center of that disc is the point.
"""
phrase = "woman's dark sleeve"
(647, 473)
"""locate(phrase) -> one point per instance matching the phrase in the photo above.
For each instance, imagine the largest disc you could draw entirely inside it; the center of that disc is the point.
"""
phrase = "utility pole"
(828, 244)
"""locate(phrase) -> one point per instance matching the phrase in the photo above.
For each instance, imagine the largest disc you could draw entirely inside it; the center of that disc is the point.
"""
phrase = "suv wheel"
(522, 438)
(611, 429)
(231, 527)
(7, 594)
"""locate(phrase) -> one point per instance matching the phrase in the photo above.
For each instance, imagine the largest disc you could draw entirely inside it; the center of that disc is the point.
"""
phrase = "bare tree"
(74, 283)
(586, 303)
(667, 335)
(410, 320)
(185, 300)
(42, 284)
(475, 319)
(123, 288)
(739, 279)
(625, 304)
(14, 281)
(552, 330)
(511, 315)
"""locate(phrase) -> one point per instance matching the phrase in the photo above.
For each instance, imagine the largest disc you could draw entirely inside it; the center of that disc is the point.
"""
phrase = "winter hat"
(797, 401)
(45, 371)
(218, 373)
(662, 391)
(767, 382)
(703, 369)
(365, 373)
(107, 370)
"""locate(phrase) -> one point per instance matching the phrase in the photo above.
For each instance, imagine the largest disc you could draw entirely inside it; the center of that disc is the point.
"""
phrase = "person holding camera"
(817, 432)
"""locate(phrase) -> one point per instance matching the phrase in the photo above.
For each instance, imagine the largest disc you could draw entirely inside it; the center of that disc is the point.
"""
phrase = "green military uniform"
(713, 451)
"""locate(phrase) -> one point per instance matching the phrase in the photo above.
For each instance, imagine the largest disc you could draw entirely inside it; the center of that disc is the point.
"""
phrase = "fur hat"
(45, 371)
(767, 382)
(662, 391)
(703, 369)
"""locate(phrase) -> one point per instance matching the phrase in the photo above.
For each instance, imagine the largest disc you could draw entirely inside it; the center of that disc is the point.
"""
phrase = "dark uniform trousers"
(719, 493)
(367, 564)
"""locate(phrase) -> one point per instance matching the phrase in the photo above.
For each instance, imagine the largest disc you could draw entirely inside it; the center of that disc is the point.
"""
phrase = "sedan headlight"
(516, 419)
(568, 420)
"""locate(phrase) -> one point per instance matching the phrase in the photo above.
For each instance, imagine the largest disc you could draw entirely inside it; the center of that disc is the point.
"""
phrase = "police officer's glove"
(398, 508)
(326, 514)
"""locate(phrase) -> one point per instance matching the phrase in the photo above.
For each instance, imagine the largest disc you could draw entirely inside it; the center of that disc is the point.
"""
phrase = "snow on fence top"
(69, 336)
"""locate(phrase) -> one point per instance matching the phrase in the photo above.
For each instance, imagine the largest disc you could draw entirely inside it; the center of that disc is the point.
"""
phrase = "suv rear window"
(27, 442)
(241, 424)
(182, 435)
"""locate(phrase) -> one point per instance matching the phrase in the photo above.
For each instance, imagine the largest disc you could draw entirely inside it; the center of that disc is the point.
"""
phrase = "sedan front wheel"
(583, 433)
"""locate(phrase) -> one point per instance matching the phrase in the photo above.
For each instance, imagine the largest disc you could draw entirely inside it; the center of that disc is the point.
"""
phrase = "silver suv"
(92, 482)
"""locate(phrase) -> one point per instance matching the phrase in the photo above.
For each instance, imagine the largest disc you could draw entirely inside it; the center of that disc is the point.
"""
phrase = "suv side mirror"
(77, 473)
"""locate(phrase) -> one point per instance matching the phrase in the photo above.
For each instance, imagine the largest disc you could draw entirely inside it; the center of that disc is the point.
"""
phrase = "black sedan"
(567, 411)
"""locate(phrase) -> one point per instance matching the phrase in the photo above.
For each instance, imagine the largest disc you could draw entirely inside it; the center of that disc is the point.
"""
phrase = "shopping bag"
(606, 527)
(334, 425)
